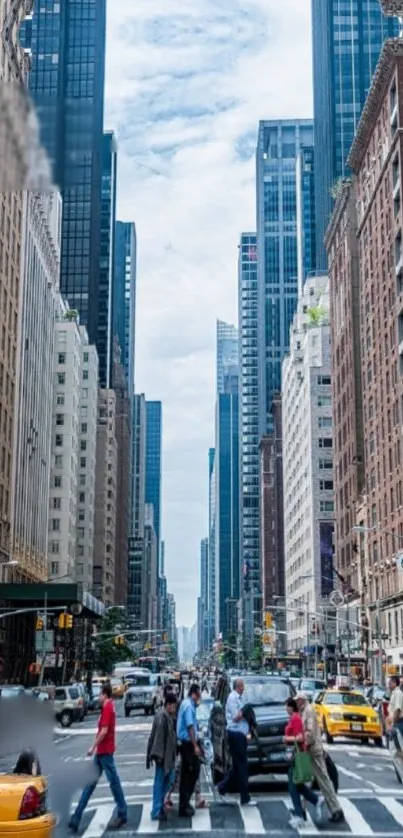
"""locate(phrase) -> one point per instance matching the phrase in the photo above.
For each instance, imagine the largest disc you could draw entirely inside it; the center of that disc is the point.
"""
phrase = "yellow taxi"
(345, 712)
(118, 687)
(23, 807)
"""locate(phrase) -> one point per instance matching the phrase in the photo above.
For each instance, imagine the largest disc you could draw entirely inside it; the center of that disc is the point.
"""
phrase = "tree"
(107, 653)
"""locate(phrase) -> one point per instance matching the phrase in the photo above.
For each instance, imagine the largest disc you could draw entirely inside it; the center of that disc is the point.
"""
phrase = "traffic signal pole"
(44, 636)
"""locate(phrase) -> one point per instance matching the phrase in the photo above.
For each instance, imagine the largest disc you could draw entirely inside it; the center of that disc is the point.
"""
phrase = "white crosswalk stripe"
(270, 815)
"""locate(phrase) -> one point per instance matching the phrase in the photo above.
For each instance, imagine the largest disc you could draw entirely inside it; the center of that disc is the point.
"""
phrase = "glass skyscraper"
(227, 351)
(227, 510)
(104, 335)
(124, 296)
(153, 463)
(279, 150)
(66, 83)
(249, 409)
(347, 37)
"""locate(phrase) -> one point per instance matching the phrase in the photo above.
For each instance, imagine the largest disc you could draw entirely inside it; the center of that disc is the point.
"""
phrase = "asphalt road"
(370, 794)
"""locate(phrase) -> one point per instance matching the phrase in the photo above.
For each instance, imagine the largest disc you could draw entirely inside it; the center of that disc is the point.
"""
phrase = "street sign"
(258, 632)
(336, 599)
(50, 660)
(44, 641)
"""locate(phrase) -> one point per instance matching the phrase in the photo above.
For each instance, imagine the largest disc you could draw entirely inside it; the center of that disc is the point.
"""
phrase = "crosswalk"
(366, 815)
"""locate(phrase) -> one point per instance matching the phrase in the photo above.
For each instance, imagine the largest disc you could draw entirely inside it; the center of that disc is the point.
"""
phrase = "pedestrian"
(189, 750)
(395, 715)
(313, 741)
(161, 750)
(294, 734)
(103, 751)
(237, 732)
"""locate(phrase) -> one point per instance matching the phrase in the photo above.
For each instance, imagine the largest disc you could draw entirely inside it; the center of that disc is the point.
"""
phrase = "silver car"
(144, 693)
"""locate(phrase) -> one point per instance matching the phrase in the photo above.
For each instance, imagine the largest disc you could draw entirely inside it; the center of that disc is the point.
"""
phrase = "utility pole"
(44, 636)
(380, 640)
(307, 640)
(348, 640)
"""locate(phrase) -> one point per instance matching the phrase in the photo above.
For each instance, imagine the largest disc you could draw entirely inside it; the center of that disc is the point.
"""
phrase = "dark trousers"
(190, 771)
(297, 791)
(237, 779)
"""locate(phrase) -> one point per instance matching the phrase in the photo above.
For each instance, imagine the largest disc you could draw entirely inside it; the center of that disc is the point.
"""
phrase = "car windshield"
(264, 692)
(312, 684)
(140, 681)
(351, 699)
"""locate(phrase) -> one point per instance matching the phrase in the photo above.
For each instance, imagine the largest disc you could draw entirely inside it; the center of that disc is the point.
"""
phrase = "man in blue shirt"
(186, 730)
(237, 732)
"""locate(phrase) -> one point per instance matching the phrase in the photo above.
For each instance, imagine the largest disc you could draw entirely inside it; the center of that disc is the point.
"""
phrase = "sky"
(187, 83)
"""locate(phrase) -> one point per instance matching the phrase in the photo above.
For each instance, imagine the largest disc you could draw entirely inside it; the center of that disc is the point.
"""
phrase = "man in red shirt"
(103, 751)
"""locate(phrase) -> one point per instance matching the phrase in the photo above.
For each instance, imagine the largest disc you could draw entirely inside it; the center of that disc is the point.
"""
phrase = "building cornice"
(392, 8)
(392, 49)
(339, 207)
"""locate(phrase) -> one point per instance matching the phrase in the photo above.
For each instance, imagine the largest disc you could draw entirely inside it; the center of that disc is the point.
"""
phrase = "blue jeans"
(162, 785)
(103, 762)
(295, 793)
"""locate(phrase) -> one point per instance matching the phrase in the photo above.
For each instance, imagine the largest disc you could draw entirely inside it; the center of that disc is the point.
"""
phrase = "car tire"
(66, 718)
(328, 737)
(127, 713)
(378, 741)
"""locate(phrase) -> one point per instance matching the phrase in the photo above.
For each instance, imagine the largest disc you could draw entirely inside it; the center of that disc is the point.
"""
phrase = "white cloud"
(185, 92)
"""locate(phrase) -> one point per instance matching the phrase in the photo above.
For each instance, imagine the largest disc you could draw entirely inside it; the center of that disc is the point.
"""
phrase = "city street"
(371, 796)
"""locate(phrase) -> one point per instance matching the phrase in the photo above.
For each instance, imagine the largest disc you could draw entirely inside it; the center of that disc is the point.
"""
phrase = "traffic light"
(268, 620)
(119, 640)
(39, 624)
(68, 621)
(61, 621)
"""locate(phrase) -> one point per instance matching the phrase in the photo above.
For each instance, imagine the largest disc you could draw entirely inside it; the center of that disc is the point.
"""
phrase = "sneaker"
(117, 823)
(297, 823)
(249, 803)
(294, 814)
(73, 827)
(220, 797)
(337, 817)
(319, 808)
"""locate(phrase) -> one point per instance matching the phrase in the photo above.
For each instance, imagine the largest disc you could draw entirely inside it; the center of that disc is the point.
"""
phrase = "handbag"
(302, 770)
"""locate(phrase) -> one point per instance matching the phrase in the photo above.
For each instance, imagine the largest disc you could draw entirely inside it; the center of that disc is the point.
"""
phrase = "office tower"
(87, 440)
(348, 436)
(34, 381)
(124, 296)
(149, 593)
(153, 463)
(280, 145)
(171, 624)
(346, 42)
(308, 463)
(227, 351)
(123, 475)
(306, 215)
(212, 570)
(73, 450)
(105, 500)
(12, 138)
(249, 409)
(203, 620)
(67, 85)
(272, 522)
(136, 540)
(227, 555)
(104, 336)
(376, 161)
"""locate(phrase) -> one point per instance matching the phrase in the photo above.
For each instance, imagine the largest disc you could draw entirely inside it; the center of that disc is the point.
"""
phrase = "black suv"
(267, 753)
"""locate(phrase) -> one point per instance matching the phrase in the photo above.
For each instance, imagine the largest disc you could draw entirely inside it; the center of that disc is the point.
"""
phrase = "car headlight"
(336, 717)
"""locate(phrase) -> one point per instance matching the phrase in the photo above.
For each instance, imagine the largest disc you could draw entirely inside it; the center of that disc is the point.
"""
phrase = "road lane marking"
(100, 821)
(309, 826)
(354, 818)
(252, 820)
(146, 825)
(394, 807)
(348, 773)
(202, 821)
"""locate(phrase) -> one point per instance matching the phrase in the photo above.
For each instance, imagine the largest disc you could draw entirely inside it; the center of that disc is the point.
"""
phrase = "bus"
(152, 663)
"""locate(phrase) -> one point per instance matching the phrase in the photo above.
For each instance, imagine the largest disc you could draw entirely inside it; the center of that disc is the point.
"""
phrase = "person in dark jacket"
(161, 750)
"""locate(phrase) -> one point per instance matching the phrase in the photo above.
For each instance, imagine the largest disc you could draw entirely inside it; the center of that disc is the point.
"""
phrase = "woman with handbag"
(301, 771)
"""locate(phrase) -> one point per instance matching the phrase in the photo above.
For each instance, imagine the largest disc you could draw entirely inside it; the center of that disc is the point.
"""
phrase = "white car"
(144, 693)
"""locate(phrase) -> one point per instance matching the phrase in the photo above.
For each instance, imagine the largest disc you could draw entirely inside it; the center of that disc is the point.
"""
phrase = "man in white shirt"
(237, 732)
